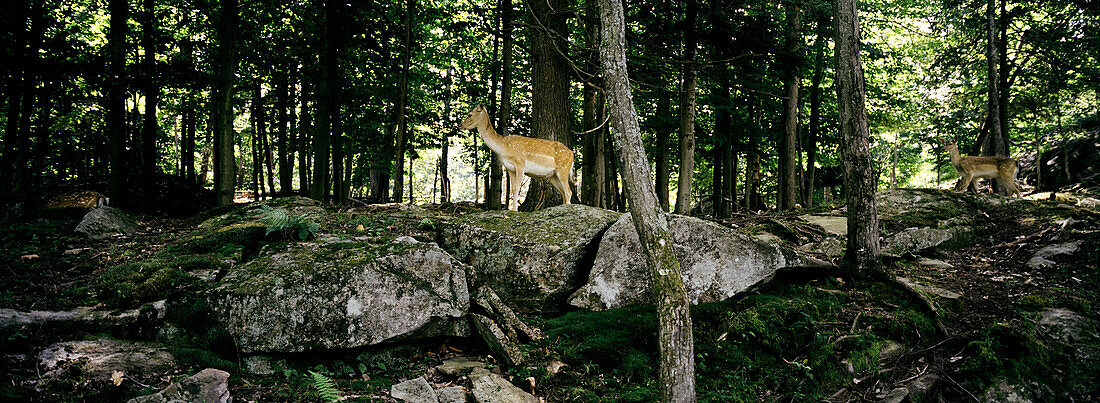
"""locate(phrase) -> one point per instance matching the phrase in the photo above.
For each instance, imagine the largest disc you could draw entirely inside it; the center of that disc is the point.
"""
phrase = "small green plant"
(288, 225)
(325, 387)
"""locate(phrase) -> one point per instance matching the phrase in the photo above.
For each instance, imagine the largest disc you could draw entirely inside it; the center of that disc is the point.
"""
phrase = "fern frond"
(325, 387)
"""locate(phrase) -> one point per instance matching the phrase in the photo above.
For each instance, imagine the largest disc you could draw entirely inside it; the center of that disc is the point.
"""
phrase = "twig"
(350, 199)
(919, 373)
(961, 387)
(934, 345)
(855, 321)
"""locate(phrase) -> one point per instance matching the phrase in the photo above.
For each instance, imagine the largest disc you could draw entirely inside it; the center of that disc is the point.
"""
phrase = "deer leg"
(517, 179)
(562, 186)
(964, 182)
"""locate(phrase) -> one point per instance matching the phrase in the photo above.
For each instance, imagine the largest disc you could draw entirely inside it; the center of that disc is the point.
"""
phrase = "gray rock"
(82, 319)
(458, 366)
(914, 240)
(931, 290)
(921, 387)
(104, 356)
(1002, 392)
(1088, 202)
(452, 394)
(829, 247)
(1066, 326)
(260, 364)
(488, 387)
(835, 225)
(532, 260)
(939, 264)
(105, 222)
(312, 296)
(208, 386)
(502, 346)
(716, 262)
(415, 390)
(896, 395)
(1042, 257)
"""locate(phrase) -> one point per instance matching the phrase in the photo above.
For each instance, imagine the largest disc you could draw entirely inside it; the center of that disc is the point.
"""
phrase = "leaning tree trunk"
(687, 113)
(859, 174)
(788, 142)
(677, 371)
(550, 76)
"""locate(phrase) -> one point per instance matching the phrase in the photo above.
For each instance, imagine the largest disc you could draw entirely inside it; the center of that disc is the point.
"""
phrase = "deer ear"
(481, 106)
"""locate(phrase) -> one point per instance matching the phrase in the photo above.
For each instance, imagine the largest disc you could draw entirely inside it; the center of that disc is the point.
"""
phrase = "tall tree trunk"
(855, 152)
(677, 359)
(30, 88)
(116, 98)
(723, 137)
(496, 174)
(286, 180)
(550, 76)
(664, 110)
(402, 105)
(1004, 87)
(994, 144)
(815, 116)
(687, 112)
(42, 147)
(326, 107)
(305, 136)
(594, 161)
(445, 142)
(149, 123)
(338, 194)
(14, 84)
(788, 142)
(754, 200)
(268, 158)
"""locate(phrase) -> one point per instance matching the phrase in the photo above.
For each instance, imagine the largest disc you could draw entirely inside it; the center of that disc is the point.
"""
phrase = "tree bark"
(224, 137)
(788, 142)
(687, 112)
(30, 90)
(815, 116)
(445, 142)
(664, 110)
(594, 160)
(754, 200)
(677, 360)
(149, 122)
(995, 143)
(723, 137)
(402, 105)
(550, 75)
(496, 174)
(305, 136)
(859, 175)
(286, 180)
(116, 98)
(15, 81)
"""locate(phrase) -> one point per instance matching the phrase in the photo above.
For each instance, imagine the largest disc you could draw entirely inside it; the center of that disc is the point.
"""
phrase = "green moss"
(239, 241)
(149, 280)
(553, 226)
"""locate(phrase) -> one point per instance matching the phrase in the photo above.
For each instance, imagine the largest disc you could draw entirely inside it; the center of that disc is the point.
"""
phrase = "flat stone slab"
(488, 387)
(832, 224)
(105, 356)
(416, 390)
(939, 264)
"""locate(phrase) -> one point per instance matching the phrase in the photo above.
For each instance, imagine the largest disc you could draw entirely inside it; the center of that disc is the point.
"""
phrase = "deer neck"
(954, 153)
(491, 138)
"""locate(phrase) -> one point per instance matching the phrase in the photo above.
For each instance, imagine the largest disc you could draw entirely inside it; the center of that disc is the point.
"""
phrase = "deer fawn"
(537, 158)
(971, 168)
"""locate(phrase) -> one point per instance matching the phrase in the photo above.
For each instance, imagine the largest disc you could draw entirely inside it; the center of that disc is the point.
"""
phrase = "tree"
(996, 143)
(496, 174)
(594, 160)
(860, 180)
(116, 108)
(402, 105)
(687, 111)
(551, 116)
(677, 360)
(788, 142)
(152, 92)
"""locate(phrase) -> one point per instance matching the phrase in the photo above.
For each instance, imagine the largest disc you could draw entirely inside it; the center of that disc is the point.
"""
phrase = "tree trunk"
(257, 188)
(859, 174)
(723, 137)
(788, 142)
(687, 112)
(1004, 86)
(677, 366)
(595, 157)
(754, 200)
(116, 98)
(815, 116)
(30, 88)
(995, 144)
(550, 76)
(664, 110)
(149, 123)
(496, 174)
(286, 180)
(265, 147)
(15, 81)
(305, 136)
(402, 105)
(224, 137)
(445, 142)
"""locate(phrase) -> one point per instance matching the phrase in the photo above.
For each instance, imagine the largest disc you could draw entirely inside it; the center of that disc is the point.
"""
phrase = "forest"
(724, 200)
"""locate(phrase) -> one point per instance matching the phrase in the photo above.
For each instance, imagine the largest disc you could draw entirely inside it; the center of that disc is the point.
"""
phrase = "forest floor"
(796, 338)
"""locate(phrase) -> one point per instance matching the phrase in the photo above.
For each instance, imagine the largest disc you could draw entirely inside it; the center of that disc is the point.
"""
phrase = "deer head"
(477, 116)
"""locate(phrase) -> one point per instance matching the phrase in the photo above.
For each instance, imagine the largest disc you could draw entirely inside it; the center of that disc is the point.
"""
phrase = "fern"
(288, 225)
(325, 387)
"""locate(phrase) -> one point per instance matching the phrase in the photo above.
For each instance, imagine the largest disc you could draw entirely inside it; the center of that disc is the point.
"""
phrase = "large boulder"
(533, 260)
(326, 295)
(105, 222)
(716, 262)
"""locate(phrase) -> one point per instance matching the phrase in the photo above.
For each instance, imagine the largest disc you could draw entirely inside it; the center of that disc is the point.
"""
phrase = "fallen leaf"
(29, 257)
(116, 377)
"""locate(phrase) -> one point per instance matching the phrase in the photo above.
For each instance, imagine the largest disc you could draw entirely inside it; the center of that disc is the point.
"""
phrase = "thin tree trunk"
(286, 184)
(257, 189)
(995, 144)
(859, 175)
(116, 98)
(402, 105)
(15, 81)
(30, 89)
(815, 116)
(550, 76)
(1004, 87)
(496, 174)
(754, 200)
(788, 142)
(664, 110)
(723, 136)
(677, 359)
(305, 136)
(268, 158)
(687, 112)
(595, 158)
(149, 123)
(445, 143)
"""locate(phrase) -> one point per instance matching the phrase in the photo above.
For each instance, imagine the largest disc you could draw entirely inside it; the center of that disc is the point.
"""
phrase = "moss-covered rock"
(716, 262)
(311, 296)
(533, 260)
